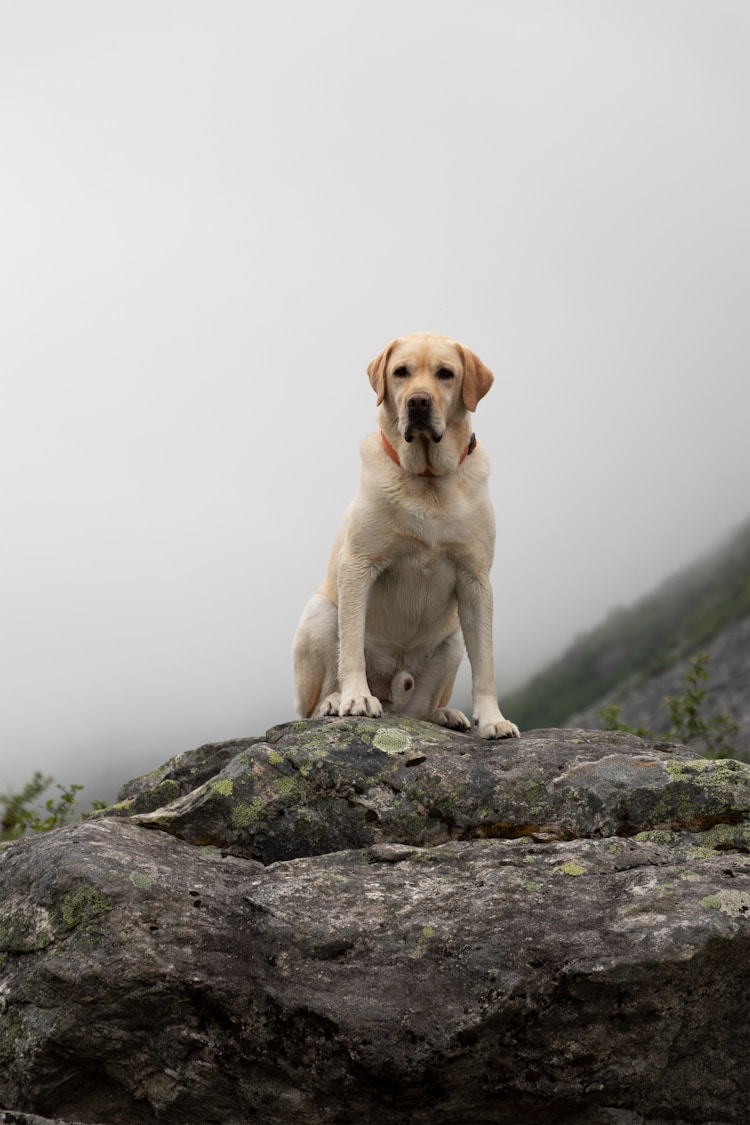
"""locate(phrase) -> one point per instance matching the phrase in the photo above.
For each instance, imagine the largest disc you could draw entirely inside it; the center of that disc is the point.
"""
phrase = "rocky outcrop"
(360, 921)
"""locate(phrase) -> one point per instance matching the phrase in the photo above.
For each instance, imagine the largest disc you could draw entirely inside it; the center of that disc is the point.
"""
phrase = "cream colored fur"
(408, 581)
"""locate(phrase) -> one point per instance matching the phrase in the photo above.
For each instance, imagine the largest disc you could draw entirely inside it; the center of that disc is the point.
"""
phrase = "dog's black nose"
(419, 403)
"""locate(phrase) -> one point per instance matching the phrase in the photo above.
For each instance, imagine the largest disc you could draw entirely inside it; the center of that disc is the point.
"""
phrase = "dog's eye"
(444, 373)
(400, 372)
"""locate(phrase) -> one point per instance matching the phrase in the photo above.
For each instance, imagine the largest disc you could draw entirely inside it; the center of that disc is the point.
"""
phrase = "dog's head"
(426, 381)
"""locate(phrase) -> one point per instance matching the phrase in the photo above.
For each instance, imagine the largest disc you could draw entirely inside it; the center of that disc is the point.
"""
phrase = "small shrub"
(21, 813)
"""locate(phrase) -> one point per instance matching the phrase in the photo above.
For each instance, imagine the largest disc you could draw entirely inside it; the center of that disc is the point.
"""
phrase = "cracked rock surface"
(382, 921)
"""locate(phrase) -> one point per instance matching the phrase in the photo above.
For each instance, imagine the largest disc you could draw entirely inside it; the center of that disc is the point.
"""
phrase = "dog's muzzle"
(419, 417)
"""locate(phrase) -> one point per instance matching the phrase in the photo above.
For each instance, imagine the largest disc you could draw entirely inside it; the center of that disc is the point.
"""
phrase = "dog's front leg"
(475, 615)
(355, 580)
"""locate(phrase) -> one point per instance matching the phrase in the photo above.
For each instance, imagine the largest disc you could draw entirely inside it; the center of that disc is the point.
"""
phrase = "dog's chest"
(418, 581)
(432, 527)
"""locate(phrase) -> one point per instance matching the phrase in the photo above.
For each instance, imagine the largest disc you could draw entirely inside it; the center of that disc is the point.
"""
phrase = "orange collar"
(428, 472)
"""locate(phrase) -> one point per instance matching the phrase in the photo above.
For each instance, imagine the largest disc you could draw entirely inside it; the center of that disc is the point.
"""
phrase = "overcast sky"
(214, 215)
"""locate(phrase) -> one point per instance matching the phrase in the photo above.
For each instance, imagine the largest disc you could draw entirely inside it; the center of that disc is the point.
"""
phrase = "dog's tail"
(402, 687)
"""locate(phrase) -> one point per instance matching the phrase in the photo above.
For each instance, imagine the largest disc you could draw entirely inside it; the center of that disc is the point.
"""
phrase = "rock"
(312, 788)
(12, 1118)
(360, 921)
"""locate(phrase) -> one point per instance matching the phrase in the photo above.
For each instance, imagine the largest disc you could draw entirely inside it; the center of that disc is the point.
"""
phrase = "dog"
(408, 584)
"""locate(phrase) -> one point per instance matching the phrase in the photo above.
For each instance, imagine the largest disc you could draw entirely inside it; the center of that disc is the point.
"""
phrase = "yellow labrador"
(408, 582)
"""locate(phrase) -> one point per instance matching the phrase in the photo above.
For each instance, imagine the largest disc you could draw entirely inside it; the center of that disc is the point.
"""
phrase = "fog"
(214, 216)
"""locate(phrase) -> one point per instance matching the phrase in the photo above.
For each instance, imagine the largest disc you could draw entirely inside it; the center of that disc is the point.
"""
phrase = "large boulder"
(381, 921)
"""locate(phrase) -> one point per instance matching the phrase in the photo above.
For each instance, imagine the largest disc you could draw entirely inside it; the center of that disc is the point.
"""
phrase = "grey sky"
(213, 217)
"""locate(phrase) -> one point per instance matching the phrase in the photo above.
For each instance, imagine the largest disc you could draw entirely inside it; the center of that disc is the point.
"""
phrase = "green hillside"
(675, 621)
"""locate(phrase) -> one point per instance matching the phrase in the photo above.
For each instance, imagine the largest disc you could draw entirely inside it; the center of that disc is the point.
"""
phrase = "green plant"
(688, 723)
(20, 812)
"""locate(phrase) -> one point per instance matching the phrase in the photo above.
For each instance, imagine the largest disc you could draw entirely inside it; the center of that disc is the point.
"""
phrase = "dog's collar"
(428, 472)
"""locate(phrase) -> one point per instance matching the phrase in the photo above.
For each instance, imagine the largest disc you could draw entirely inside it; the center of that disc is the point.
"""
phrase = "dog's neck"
(427, 472)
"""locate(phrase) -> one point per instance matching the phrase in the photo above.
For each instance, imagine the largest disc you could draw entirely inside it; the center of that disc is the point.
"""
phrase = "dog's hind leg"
(315, 654)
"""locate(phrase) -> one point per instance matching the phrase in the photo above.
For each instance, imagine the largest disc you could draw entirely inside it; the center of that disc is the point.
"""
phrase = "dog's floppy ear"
(376, 371)
(477, 378)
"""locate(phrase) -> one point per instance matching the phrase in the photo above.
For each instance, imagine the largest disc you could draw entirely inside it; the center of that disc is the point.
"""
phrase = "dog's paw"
(499, 729)
(449, 717)
(329, 706)
(361, 705)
